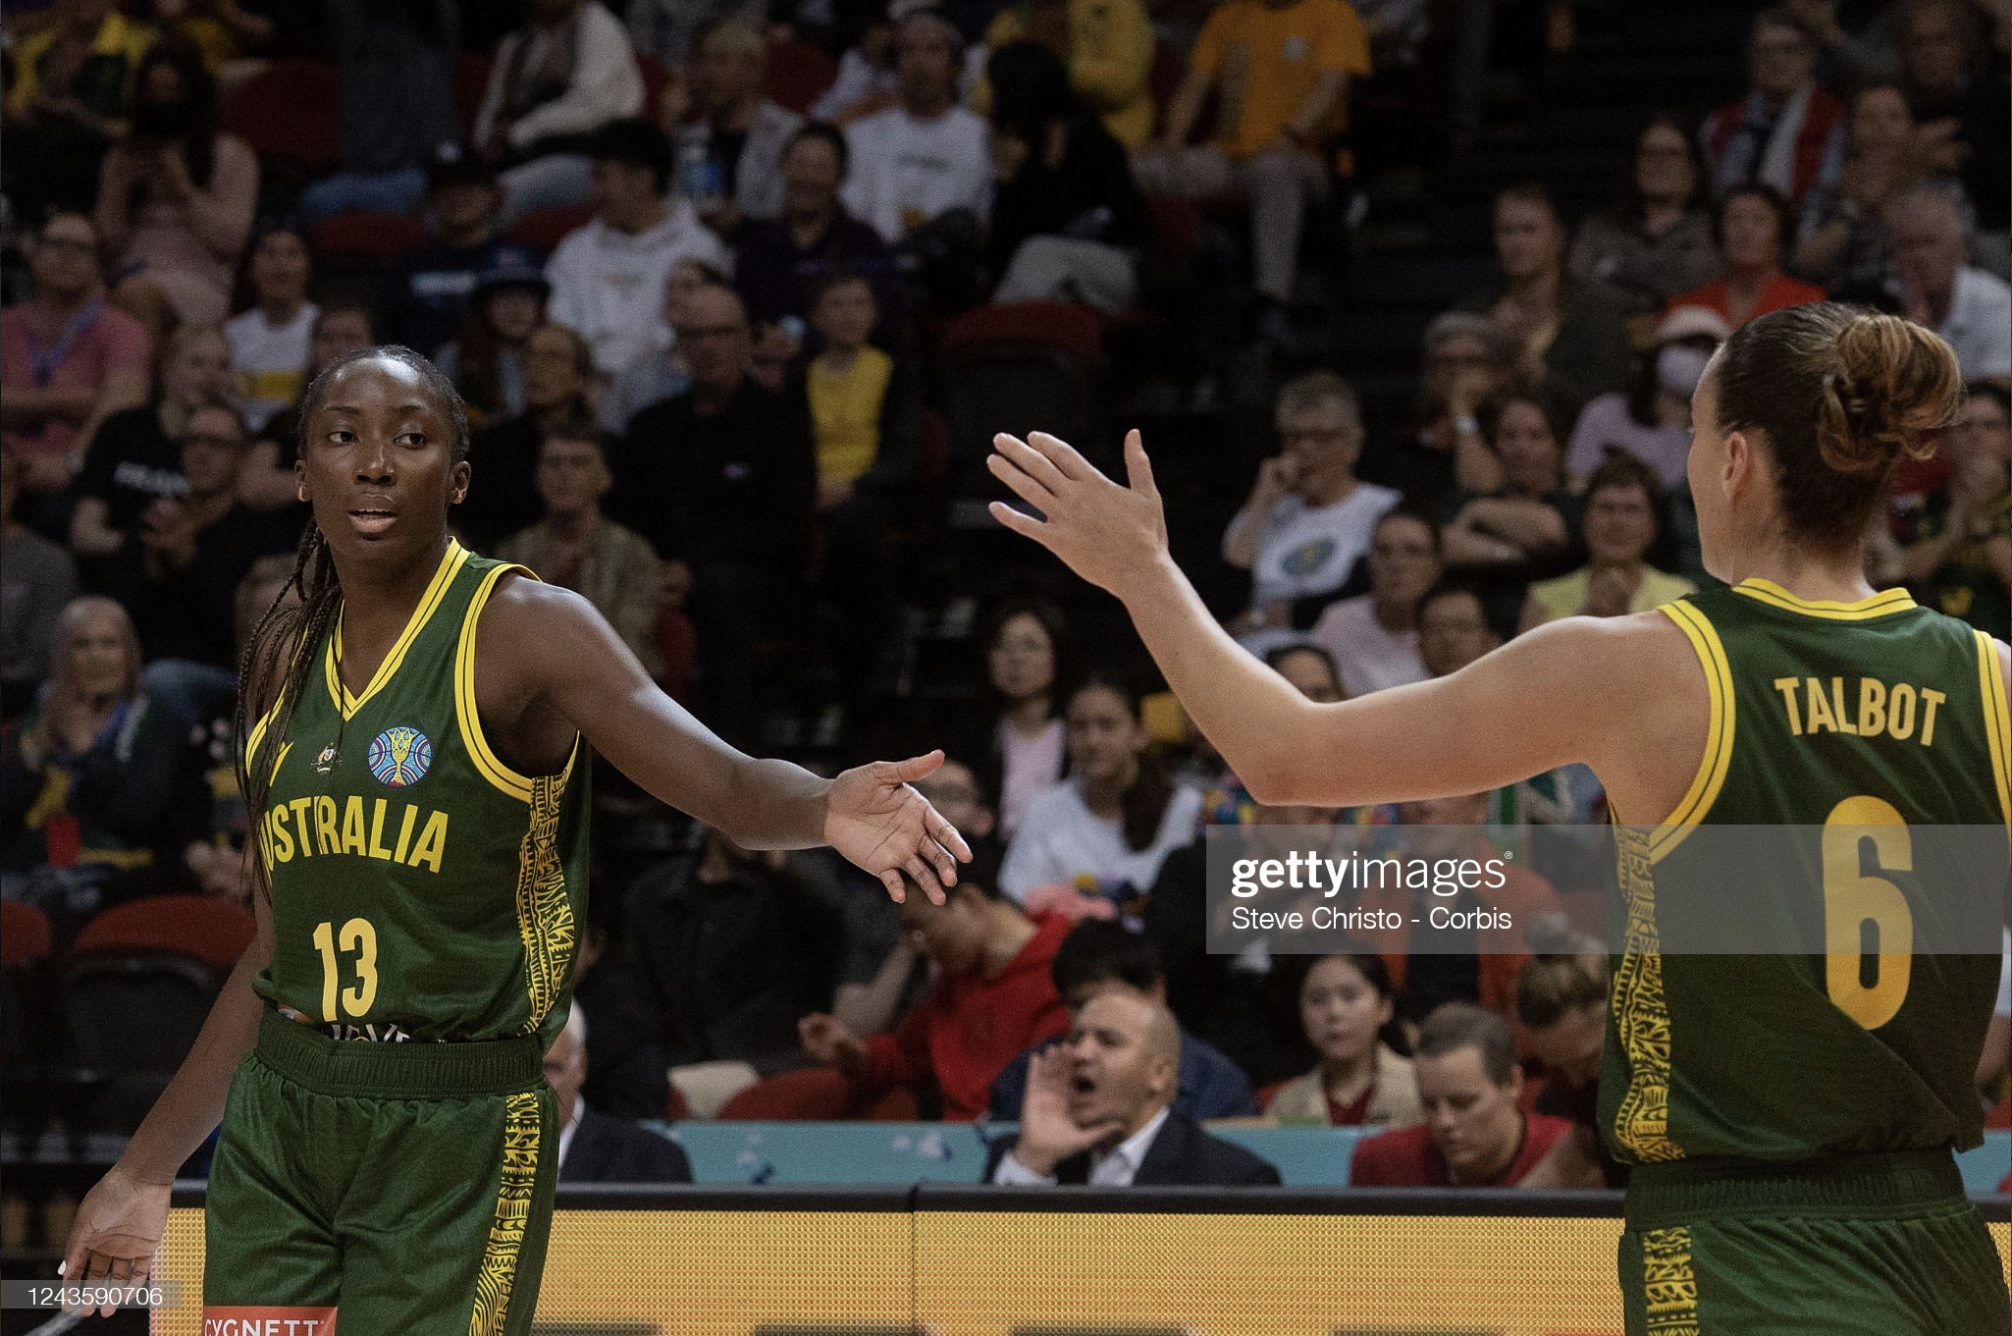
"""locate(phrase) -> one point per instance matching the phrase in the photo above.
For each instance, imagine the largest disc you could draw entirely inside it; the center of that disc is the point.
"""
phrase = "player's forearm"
(193, 1104)
(774, 804)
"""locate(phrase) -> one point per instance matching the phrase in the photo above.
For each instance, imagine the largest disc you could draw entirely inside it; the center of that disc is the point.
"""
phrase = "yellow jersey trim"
(1712, 766)
(467, 712)
(1997, 720)
(1772, 594)
(259, 729)
(451, 562)
(516, 1193)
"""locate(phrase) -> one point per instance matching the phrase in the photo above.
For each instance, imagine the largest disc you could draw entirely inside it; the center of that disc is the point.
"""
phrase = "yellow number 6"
(1851, 898)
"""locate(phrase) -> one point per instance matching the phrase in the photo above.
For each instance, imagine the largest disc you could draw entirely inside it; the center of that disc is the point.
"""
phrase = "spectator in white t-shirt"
(1928, 238)
(1115, 819)
(608, 276)
(1373, 638)
(1308, 519)
(926, 156)
(269, 343)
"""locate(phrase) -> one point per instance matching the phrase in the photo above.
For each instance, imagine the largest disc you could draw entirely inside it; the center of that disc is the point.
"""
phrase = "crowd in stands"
(725, 287)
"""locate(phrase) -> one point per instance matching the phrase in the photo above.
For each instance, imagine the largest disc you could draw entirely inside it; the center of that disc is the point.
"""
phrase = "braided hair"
(282, 646)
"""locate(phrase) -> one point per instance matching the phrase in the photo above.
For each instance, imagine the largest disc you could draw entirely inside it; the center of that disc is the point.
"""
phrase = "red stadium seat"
(545, 228)
(471, 81)
(24, 934)
(798, 74)
(210, 930)
(815, 1094)
(379, 235)
(675, 1108)
(656, 78)
(286, 111)
(1076, 330)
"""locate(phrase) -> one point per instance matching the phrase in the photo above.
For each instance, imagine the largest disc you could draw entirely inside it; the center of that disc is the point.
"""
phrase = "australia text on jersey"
(316, 827)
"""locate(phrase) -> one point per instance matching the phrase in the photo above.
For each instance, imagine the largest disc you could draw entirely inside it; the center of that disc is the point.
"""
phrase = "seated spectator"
(1068, 223)
(1099, 1111)
(502, 495)
(1373, 637)
(662, 376)
(428, 291)
(269, 342)
(780, 263)
(1971, 309)
(866, 79)
(1786, 133)
(556, 81)
(596, 1147)
(97, 797)
(1623, 507)
(1960, 553)
(1652, 421)
(1308, 519)
(992, 998)
(68, 88)
(670, 29)
(1656, 241)
(1098, 957)
(1755, 233)
(1281, 72)
(1843, 232)
(175, 196)
(1561, 1002)
(1017, 745)
(37, 579)
(736, 137)
(863, 427)
(883, 975)
(1475, 1132)
(1344, 1003)
(926, 156)
(1453, 628)
(608, 276)
(486, 363)
(1108, 48)
(1104, 830)
(222, 30)
(134, 459)
(1570, 335)
(68, 360)
(576, 547)
(178, 573)
(1956, 86)
(1529, 523)
(1467, 363)
(736, 944)
(723, 480)
(268, 481)
(394, 67)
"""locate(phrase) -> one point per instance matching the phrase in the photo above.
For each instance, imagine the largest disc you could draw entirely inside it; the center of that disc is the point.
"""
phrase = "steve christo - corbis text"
(1329, 877)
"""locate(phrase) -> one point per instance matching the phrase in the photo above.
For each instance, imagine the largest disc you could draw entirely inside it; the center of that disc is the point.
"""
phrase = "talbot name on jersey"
(1868, 709)
(391, 832)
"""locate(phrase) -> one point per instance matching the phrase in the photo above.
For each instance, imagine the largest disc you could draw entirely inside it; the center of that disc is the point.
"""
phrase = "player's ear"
(457, 482)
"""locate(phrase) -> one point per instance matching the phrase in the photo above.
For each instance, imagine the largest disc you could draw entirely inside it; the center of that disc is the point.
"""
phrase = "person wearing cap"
(925, 156)
(486, 363)
(608, 276)
(428, 290)
(1652, 420)
(394, 69)
(269, 342)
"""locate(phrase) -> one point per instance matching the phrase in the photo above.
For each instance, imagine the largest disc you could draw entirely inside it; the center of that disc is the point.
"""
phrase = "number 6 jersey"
(1878, 715)
(421, 888)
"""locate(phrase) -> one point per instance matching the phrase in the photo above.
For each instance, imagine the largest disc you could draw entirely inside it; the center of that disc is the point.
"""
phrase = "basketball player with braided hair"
(415, 764)
(1789, 1124)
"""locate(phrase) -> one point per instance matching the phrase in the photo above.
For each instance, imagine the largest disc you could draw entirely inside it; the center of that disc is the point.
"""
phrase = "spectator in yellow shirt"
(1108, 47)
(1280, 70)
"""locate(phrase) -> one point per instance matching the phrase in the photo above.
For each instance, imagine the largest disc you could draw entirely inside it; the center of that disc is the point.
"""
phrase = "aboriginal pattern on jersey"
(544, 910)
(498, 1274)
(1669, 1284)
(1641, 1012)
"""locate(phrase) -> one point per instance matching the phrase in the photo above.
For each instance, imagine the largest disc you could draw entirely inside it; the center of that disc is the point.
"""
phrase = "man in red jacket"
(1475, 1132)
(993, 997)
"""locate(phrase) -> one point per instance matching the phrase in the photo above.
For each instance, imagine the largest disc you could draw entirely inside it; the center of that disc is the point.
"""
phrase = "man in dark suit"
(598, 1147)
(1098, 1110)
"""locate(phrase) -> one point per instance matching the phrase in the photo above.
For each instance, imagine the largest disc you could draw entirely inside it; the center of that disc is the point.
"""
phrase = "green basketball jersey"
(1874, 713)
(421, 888)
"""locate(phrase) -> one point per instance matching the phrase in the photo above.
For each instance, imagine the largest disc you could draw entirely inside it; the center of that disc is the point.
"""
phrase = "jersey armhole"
(1717, 758)
(466, 711)
(1997, 719)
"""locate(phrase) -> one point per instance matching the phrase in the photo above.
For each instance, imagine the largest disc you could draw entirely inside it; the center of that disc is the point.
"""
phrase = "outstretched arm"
(1554, 696)
(558, 662)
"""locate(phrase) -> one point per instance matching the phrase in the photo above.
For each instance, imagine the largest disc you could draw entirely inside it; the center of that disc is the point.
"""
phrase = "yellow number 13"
(1851, 898)
(360, 937)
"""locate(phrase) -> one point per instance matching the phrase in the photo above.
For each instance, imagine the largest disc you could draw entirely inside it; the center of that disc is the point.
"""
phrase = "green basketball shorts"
(1884, 1244)
(402, 1187)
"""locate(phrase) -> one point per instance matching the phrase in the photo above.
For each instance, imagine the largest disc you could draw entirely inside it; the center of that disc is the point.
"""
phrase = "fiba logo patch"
(400, 756)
